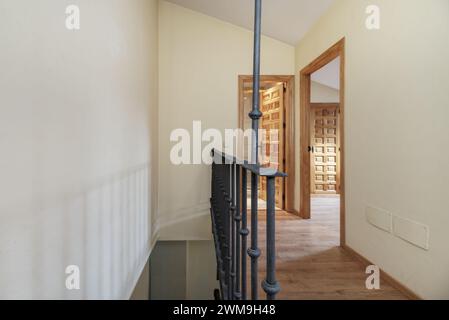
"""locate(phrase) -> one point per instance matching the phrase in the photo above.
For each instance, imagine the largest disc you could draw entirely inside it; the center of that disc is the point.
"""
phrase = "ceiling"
(284, 20)
(329, 75)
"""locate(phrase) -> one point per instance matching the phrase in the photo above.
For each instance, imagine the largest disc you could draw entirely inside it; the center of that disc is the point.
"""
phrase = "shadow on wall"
(105, 230)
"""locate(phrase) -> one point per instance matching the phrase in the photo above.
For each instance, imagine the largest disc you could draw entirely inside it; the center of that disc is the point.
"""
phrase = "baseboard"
(296, 213)
(385, 276)
(167, 218)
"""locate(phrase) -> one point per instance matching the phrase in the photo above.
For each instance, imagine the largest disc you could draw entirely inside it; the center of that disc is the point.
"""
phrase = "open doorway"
(276, 105)
(322, 139)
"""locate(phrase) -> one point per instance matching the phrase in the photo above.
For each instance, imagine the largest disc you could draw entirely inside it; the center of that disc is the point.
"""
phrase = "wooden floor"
(309, 262)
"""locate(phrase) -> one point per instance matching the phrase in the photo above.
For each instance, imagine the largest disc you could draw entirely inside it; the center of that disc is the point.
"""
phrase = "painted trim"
(337, 50)
(182, 215)
(290, 163)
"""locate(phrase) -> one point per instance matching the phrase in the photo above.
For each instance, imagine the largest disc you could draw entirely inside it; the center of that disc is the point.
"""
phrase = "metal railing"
(229, 207)
(230, 229)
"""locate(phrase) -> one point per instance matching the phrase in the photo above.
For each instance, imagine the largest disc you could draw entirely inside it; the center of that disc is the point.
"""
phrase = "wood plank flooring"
(310, 264)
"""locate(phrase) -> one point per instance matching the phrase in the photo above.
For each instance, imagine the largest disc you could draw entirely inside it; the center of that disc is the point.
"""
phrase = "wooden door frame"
(289, 100)
(337, 50)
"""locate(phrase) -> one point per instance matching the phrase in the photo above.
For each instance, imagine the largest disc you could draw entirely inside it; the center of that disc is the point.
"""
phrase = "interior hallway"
(310, 264)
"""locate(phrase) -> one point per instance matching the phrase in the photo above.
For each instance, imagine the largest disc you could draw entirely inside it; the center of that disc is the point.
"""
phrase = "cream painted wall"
(200, 60)
(323, 94)
(201, 270)
(78, 141)
(183, 270)
(397, 104)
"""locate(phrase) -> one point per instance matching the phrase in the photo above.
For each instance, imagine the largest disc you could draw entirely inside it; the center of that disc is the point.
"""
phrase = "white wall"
(397, 106)
(78, 126)
(200, 60)
(320, 93)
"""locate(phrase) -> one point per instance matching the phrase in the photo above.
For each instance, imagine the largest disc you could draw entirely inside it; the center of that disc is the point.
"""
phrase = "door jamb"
(337, 50)
(289, 185)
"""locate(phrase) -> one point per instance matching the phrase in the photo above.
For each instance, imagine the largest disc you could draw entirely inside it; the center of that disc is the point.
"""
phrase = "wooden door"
(325, 173)
(272, 107)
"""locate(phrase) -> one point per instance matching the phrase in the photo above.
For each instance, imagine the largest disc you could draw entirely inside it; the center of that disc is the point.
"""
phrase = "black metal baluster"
(254, 251)
(214, 215)
(223, 233)
(270, 285)
(233, 228)
(228, 217)
(255, 115)
(244, 232)
(237, 219)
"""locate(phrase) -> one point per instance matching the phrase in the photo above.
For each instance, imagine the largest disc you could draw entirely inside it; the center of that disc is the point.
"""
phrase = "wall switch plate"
(413, 232)
(379, 218)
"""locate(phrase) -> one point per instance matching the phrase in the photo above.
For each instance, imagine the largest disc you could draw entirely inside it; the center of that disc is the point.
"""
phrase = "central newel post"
(255, 115)
(269, 285)
(229, 207)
